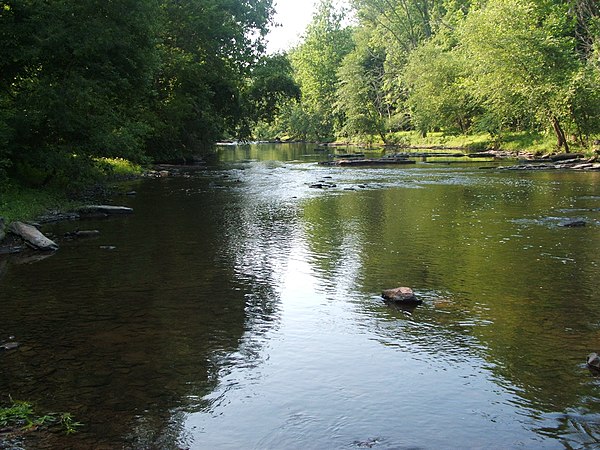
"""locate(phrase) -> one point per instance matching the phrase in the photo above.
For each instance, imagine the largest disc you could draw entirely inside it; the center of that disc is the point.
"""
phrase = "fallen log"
(32, 237)
(562, 157)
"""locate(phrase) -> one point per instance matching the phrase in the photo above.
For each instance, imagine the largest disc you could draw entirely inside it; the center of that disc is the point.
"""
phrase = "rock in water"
(593, 361)
(2, 233)
(105, 209)
(574, 224)
(401, 295)
(82, 234)
(32, 236)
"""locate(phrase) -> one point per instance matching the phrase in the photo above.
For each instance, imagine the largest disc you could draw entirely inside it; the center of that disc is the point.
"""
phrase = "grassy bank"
(20, 202)
(537, 143)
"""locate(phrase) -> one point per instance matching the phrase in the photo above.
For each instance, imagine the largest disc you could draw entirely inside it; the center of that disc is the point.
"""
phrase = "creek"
(239, 308)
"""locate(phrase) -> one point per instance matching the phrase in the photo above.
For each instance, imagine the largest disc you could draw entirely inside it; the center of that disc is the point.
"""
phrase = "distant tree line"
(138, 79)
(461, 66)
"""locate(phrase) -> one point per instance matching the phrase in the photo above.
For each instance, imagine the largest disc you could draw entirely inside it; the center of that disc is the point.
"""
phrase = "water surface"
(239, 308)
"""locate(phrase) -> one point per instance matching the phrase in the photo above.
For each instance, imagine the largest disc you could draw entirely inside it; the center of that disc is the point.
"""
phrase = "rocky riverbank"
(20, 236)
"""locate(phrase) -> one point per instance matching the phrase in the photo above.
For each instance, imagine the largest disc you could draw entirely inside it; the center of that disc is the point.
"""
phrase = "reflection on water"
(239, 308)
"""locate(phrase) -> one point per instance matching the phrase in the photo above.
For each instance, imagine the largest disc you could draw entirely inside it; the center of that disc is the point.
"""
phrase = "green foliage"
(272, 85)
(360, 95)
(316, 61)
(21, 416)
(521, 59)
(126, 78)
(437, 97)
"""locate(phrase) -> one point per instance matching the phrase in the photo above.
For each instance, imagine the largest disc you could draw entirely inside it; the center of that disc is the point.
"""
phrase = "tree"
(316, 61)
(74, 82)
(521, 60)
(360, 94)
(207, 50)
(271, 87)
(128, 78)
(437, 97)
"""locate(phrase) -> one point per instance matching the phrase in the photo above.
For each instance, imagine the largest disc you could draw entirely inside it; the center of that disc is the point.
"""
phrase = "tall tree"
(360, 94)
(316, 61)
(522, 58)
(208, 48)
(271, 88)
(76, 75)
(437, 96)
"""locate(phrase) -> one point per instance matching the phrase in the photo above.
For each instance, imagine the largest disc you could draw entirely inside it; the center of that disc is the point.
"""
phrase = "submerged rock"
(574, 224)
(322, 185)
(593, 361)
(401, 295)
(105, 209)
(32, 236)
(82, 233)
(57, 217)
(10, 344)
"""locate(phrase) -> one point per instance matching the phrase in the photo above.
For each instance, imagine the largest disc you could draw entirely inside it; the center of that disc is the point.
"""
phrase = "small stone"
(574, 224)
(593, 361)
(9, 346)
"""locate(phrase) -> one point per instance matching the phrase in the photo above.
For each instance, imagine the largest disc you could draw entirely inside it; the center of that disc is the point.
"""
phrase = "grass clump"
(20, 417)
(118, 168)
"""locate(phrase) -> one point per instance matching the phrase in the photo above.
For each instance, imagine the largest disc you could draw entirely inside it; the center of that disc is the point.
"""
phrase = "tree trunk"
(560, 134)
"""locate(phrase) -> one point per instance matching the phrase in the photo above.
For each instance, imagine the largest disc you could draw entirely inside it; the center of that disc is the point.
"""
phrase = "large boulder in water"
(32, 236)
(401, 295)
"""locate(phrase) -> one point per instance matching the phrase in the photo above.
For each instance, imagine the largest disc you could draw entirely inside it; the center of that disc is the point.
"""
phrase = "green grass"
(23, 203)
(19, 202)
(20, 416)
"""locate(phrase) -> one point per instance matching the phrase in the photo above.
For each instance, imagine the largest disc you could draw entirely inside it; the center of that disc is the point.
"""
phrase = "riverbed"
(240, 308)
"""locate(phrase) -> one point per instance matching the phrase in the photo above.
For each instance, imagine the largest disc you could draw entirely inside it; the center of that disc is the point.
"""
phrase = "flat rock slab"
(367, 162)
(105, 209)
(32, 236)
(574, 224)
(82, 234)
(401, 295)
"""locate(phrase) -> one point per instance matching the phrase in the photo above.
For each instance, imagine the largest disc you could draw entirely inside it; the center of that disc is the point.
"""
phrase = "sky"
(294, 16)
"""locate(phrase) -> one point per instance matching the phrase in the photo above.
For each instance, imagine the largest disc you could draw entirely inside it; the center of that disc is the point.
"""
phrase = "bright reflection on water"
(239, 308)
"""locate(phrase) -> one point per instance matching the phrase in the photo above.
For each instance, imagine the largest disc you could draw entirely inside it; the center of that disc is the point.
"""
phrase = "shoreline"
(67, 209)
